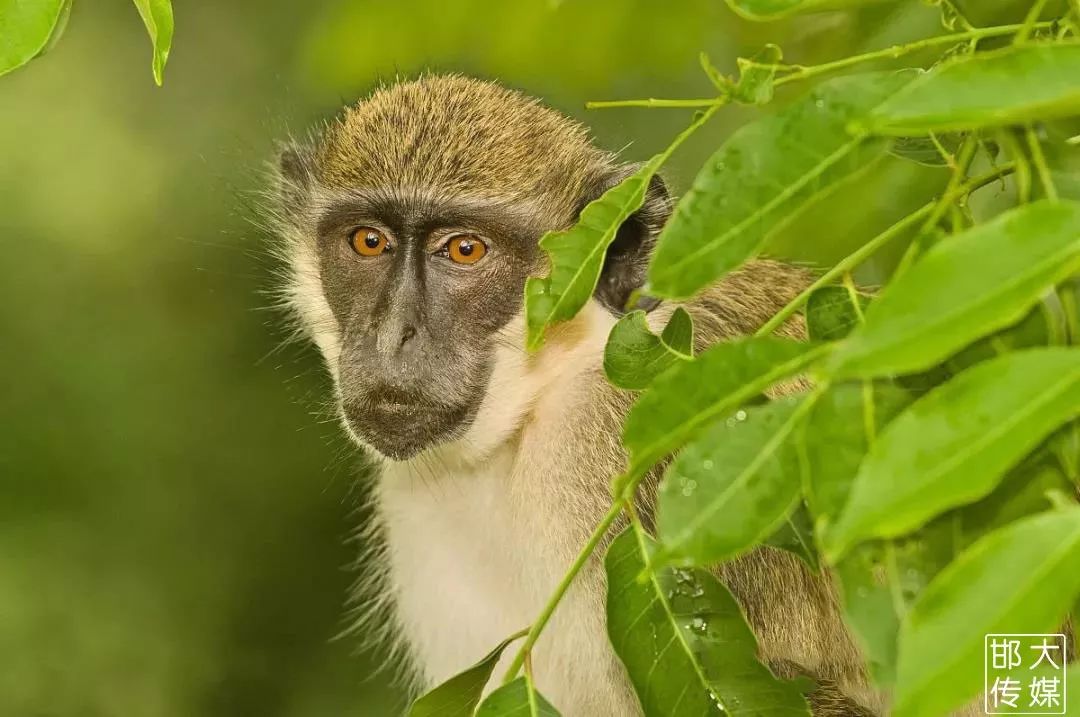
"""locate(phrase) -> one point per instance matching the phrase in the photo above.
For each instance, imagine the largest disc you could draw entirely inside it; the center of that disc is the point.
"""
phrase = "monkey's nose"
(407, 334)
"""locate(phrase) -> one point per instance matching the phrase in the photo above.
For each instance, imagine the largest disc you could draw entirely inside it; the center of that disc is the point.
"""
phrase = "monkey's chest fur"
(472, 562)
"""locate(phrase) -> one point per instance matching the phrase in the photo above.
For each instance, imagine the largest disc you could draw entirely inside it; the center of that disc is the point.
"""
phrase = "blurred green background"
(175, 500)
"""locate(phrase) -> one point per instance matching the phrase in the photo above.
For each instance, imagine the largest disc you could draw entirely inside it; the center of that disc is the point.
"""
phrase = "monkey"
(408, 226)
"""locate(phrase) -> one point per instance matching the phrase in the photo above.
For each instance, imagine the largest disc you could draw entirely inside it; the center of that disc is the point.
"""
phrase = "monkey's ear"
(628, 256)
(294, 172)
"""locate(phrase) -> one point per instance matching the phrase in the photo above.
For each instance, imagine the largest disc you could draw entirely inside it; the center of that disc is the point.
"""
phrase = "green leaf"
(684, 400)
(1031, 331)
(458, 696)
(516, 699)
(157, 15)
(1027, 83)
(973, 284)
(28, 28)
(577, 255)
(685, 642)
(1021, 579)
(678, 334)
(755, 85)
(954, 445)
(830, 314)
(834, 441)
(634, 355)
(732, 486)
(796, 535)
(1066, 446)
(879, 582)
(762, 177)
(775, 9)
(1022, 493)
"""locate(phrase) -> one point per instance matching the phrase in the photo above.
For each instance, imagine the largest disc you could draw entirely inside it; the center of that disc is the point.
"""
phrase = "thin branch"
(802, 72)
(1039, 160)
(652, 102)
(1030, 22)
(545, 615)
(868, 249)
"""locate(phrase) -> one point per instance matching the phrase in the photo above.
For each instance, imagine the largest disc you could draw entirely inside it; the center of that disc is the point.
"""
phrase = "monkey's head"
(411, 225)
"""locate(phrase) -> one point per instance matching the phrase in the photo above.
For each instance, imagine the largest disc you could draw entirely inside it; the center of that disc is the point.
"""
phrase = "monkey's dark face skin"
(418, 328)
(409, 326)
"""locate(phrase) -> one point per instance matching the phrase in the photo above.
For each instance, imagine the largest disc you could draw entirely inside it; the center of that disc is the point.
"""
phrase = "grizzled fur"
(478, 520)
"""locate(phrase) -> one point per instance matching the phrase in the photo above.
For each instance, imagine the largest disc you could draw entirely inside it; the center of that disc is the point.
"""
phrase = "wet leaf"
(762, 177)
(954, 445)
(634, 355)
(977, 282)
(731, 487)
(685, 642)
(1021, 579)
(686, 399)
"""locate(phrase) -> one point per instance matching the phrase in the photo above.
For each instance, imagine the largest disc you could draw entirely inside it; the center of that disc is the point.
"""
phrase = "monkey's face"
(411, 226)
(420, 291)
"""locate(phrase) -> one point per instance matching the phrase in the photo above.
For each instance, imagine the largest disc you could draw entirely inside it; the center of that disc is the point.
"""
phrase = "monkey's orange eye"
(465, 249)
(367, 241)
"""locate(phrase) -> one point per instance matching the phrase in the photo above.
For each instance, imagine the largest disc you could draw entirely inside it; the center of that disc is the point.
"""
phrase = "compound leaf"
(954, 445)
(1020, 579)
(761, 178)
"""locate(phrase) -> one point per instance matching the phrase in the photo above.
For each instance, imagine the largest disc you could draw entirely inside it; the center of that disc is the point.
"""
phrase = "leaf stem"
(979, 33)
(864, 252)
(842, 267)
(1039, 160)
(653, 102)
(530, 687)
(960, 166)
(1030, 22)
(802, 72)
(545, 615)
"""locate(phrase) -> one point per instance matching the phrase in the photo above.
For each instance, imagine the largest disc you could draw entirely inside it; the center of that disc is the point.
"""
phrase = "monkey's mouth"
(400, 425)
